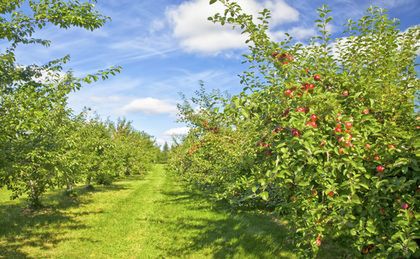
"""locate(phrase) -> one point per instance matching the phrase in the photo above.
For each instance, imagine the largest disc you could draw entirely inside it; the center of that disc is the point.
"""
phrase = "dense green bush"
(325, 133)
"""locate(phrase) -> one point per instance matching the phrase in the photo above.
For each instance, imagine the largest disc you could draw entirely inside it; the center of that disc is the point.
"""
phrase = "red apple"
(266, 145)
(405, 206)
(348, 125)
(380, 168)
(377, 158)
(301, 109)
(317, 77)
(345, 93)
(295, 133)
(313, 117)
(284, 57)
(365, 111)
(367, 146)
(318, 240)
(312, 124)
(288, 93)
(331, 194)
(277, 129)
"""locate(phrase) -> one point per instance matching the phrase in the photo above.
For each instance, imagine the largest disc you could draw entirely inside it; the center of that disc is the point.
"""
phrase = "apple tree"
(33, 98)
(333, 129)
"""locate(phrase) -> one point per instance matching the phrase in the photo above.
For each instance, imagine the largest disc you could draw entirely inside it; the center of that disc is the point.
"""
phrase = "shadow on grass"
(241, 233)
(225, 233)
(43, 228)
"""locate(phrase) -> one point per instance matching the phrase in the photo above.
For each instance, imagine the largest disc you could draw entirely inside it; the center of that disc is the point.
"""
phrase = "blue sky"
(166, 47)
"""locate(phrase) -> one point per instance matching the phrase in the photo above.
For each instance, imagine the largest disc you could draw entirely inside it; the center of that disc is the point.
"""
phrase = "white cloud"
(197, 34)
(157, 25)
(330, 28)
(172, 136)
(302, 33)
(281, 12)
(150, 105)
(161, 141)
(177, 131)
(110, 96)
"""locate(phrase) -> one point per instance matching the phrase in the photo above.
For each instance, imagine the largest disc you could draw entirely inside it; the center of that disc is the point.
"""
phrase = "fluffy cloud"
(150, 106)
(161, 141)
(302, 33)
(177, 131)
(197, 34)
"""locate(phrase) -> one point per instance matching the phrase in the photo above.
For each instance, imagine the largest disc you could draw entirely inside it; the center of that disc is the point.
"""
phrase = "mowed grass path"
(150, 217)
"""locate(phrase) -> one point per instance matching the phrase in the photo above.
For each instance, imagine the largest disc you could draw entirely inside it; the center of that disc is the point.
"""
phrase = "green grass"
(150, 217)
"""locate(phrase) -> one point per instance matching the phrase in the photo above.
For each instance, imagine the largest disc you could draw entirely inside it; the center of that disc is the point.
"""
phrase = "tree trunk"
(69, 188)
(34, 201)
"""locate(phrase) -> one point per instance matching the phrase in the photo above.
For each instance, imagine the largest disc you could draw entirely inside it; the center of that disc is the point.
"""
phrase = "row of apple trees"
(324, 134)
(43, 144)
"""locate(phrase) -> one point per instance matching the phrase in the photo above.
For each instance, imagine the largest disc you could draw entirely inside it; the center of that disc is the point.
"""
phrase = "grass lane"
(150, 217)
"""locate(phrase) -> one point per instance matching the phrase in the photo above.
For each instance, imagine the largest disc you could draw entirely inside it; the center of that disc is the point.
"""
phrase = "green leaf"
(412, 245)
(264, 196)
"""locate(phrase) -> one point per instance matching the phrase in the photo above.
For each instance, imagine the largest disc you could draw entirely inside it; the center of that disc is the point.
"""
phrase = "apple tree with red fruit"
(331, 129)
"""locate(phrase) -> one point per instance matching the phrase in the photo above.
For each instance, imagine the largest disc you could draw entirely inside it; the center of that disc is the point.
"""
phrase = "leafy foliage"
(323, 133)
(42, 144)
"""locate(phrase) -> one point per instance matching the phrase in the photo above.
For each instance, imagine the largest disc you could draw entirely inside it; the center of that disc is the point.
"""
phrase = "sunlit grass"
(150, 217)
